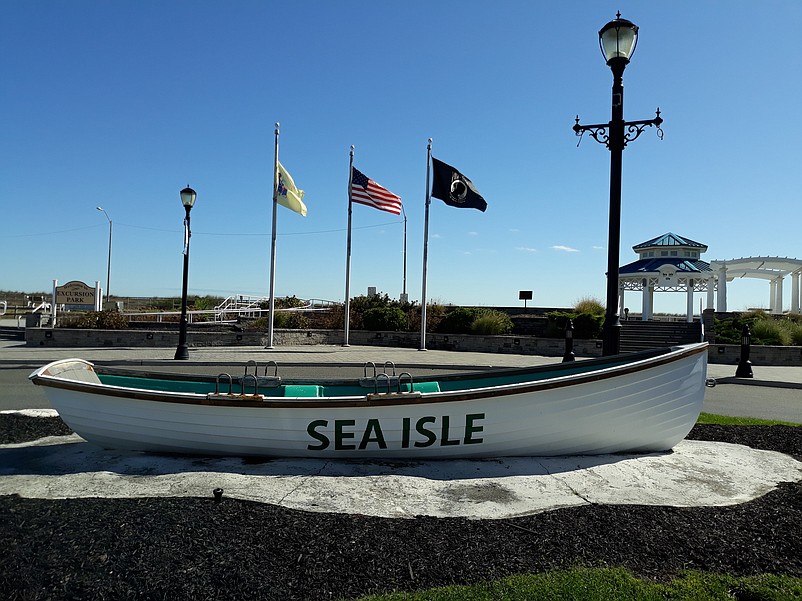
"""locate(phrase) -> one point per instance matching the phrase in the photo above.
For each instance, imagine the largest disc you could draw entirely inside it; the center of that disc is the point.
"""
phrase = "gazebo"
(668, 263)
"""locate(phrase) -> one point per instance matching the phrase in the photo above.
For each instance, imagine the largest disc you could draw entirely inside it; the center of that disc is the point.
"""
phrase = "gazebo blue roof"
(669, 239)
(652, 265)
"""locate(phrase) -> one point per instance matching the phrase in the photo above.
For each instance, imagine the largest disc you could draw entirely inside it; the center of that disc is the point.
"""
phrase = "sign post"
(525, 295)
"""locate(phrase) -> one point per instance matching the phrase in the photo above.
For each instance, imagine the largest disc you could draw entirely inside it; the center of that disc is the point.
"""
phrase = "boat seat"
(78, 371)
(303, 390)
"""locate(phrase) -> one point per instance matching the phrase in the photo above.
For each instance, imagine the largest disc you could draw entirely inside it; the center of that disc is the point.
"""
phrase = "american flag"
(367, 192)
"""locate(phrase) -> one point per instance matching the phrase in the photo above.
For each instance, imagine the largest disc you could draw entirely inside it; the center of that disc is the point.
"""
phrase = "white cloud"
(526, 249)
(563, 248)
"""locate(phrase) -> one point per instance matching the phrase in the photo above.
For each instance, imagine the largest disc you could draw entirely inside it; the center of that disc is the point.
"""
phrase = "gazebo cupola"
(668, 263)
(671, 246)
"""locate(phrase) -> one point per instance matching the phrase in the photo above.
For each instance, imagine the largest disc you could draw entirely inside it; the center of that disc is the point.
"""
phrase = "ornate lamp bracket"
(599, 132)
(632, 130)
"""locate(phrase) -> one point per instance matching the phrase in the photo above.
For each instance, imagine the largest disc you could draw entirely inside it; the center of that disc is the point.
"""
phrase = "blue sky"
(121, 104)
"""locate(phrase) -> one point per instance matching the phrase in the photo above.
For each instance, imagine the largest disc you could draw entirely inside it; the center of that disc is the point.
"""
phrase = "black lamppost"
(617, 40)
(108, 265)
(187, 199)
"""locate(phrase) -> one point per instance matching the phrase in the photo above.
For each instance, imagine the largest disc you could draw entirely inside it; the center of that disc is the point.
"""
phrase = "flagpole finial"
(278, 125)
(352, 150)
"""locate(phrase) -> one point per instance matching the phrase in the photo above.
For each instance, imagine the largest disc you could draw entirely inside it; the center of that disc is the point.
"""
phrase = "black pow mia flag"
(454, 189)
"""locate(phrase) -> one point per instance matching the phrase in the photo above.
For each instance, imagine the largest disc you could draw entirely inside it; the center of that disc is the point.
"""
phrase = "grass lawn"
(606, 584)
(725, 420)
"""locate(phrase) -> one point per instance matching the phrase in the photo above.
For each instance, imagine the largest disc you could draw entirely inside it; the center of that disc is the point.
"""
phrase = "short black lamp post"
(569, 342)
(744, 369)
(617, 40)
(187, 199)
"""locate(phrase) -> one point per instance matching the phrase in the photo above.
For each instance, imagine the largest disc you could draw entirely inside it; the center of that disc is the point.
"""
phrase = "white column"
(644, 305)
(771, 296)
(778, 295)
(648, 303)
(795, 308)
(721, 302)
(98, 297)
(621, 300)
(689, 312)
(711, 288)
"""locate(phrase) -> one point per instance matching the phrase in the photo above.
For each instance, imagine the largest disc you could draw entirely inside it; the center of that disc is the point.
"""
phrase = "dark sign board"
(525, 295)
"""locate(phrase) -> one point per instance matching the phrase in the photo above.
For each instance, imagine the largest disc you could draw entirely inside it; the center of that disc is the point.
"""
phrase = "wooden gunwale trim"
(374, 401)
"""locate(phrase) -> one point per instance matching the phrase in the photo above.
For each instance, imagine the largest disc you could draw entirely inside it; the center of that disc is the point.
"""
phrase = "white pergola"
(773, 269)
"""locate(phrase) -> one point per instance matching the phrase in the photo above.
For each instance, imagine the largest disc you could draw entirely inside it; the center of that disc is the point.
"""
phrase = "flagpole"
(425, 248)
(404, 287)
(273, 245)
(347, 310)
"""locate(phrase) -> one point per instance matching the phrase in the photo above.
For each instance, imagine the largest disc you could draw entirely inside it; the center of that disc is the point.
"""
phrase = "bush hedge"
(385, 318)
(764, 329)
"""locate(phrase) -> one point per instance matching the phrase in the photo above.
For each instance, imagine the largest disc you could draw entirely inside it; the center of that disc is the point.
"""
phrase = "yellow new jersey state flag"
(287, 194)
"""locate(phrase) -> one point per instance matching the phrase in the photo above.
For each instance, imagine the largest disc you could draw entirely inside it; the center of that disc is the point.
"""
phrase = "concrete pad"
(696, 473)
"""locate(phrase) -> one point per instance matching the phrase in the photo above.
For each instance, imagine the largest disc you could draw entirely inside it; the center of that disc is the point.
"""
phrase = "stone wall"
(758, 355)
(523, 345)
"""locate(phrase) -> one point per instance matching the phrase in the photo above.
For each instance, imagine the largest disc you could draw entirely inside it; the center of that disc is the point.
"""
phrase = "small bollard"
(744, 364)
(569, 342)
(218, 494)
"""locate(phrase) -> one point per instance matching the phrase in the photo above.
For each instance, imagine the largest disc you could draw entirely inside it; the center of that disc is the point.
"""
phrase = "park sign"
(75, 293)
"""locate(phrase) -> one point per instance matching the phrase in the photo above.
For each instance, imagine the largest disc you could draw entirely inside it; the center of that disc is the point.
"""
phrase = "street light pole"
(108, 268)
(187, 199)
(617, 40)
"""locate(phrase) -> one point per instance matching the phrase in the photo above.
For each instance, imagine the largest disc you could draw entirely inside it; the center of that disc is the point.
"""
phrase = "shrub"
(587, 326)
(764, 329)
(385, 318)
(104, 320)
(435, 312)
(590, 305)
(205, 303)
(459, 320)
(795, 330)
(291, 320)
(771, 332)
(260, 324)
(289, 302)
(492, 323)
(333, 319)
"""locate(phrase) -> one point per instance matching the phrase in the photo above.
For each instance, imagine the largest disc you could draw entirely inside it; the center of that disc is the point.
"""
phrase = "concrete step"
(642, 335)
(12, 333)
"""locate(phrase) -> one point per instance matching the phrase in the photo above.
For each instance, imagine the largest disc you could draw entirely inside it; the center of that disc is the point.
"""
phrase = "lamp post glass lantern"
(108, 265)
(617, 41)
(188, 200)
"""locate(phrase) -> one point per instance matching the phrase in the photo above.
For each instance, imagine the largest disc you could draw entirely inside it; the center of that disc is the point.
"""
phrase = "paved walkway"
(16, 353)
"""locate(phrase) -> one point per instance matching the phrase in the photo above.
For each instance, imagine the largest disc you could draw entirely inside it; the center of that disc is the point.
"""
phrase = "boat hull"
(647, 406)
